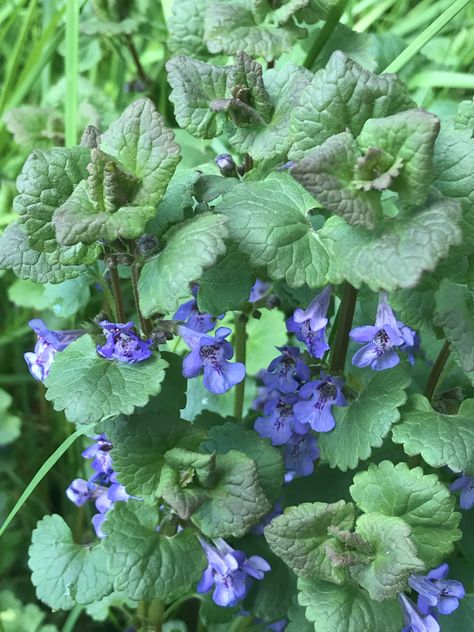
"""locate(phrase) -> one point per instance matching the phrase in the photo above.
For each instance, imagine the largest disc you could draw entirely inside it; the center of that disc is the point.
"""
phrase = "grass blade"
(423, 38)
(71, 71)
(41, 473)
(325, 33)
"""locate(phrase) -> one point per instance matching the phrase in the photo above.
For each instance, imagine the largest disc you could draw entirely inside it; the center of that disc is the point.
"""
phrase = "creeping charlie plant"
(270, 363)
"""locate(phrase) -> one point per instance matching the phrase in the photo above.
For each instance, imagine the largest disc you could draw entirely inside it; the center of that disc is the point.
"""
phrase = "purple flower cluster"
(194, 319)
(229, 572)
(384, 339)
(49, 342)
(464, 484)
(123, 344)
(292, 404)
(435, 594)
(102, 487)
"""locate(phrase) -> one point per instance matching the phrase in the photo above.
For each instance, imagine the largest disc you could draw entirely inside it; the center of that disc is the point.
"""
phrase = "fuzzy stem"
(344, 324)
(437, 370)
(117, 292)
(240, 340)
(144, 322)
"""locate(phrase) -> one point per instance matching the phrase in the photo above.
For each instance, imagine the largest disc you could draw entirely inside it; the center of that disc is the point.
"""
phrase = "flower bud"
(226, 164)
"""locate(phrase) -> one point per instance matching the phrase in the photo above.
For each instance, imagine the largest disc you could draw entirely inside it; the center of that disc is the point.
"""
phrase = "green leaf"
(408, 138)
(34, 127)
(303, 536)
(263, 142)
(453, 163)
(186, 28)
(246, 80)
(236, 502)
(422, 501)
(46, 181)
(147, 565)
(16, 617)
(226, 286)
(347, 608)
(40, 267)
(440, 439)
(393, 557)
(63, 572)
(464, 118)
(264, 334)
(142, 144)
(232, 436)
(342, 96)
(394, 255)
(102, 388)
(68, 297)
(366, 422)
(328, 174)
(195, 86)
(190, 248)
(26, 293)
(9, 424)
(176, 204)
(277, 233)
(455, 314)
(230, 28)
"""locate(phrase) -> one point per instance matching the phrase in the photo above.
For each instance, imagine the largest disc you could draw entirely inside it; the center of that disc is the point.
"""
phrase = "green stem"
(72, 619)
(344, 318)
(104, 286)
(437, 370)
(240, 340)
(425, 36)
(325, 33)
(156, 609)
(175, 605)
(72, 71)
(144, 322)
(117, 292)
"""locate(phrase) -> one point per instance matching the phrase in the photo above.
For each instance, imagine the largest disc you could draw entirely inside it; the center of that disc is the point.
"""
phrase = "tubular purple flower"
(259, 290)
(229, 572)
(286, 372)
(123, 344)
(192, 318)
(466, 485)
(382, 339)
(300, 453)
(435, 591)
(414, 620)
(309, 325)
(79, 492)
(277, 422)
(211, 355)
(48, 344)
(320, 395)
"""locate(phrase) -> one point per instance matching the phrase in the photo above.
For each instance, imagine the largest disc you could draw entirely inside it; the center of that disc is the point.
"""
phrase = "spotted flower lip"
(277, 421)
(300, 452)
(123, 343)
(309, 325)
(210, 356)
(414, 620)
(465, 484)
(286, 372)
(435, 591)
(382, 339)
(229, 572)
(317, 399)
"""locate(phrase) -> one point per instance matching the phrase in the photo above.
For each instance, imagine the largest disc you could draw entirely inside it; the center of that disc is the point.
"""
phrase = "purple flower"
(286, 372)
(190, 315)
(211, 355)
(123, 344)
(258, 291)
(382, 339)
(411, 341)
(300, 453)
(229, 572)
(466, 485)
(226, 164)
(48, 344)
(97, 522)
(309, 325)
(414, 620)
(321, 396)
(435, 591)
(277, 422)
(79, 492)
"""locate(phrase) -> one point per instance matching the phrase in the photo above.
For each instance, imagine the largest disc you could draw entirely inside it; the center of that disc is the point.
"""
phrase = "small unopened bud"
(147, 245)
(124, 259)
(226, 164)
(90, 137)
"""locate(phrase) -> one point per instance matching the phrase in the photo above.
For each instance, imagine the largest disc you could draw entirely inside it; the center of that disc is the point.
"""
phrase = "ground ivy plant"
(276, 383)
